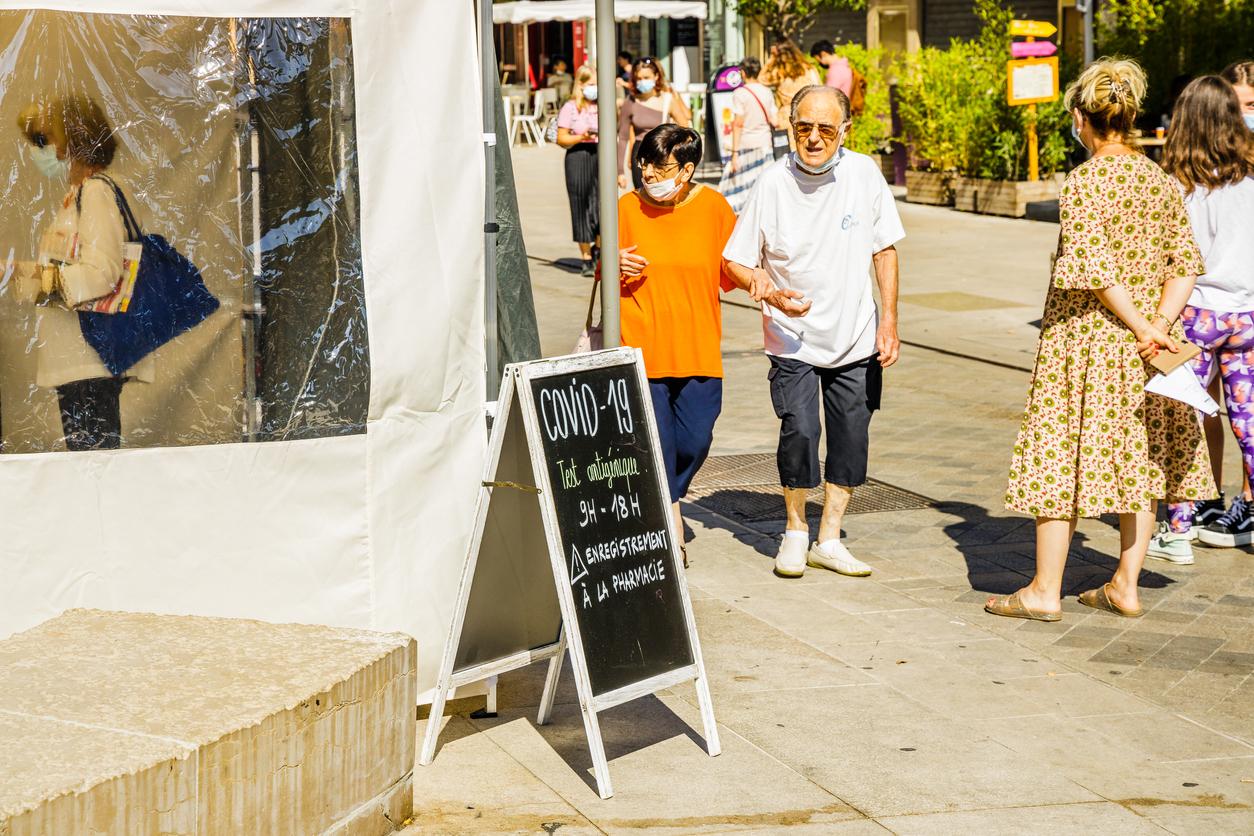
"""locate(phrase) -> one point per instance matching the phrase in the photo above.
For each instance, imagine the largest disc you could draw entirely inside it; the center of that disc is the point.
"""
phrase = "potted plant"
(936, 95)
(969, 147)
(993, 173)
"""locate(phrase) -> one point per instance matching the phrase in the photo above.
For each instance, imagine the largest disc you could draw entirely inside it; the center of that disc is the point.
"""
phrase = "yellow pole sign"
(1032, 29)
(1028, 81)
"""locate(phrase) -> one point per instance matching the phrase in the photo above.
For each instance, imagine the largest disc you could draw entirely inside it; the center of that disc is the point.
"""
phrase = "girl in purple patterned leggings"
(1210, 151)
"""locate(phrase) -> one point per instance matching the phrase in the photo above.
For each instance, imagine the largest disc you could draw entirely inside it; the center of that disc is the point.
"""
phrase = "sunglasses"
(804, 129)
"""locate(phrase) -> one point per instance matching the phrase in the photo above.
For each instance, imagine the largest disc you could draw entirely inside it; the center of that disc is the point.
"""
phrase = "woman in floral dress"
(1093, 441)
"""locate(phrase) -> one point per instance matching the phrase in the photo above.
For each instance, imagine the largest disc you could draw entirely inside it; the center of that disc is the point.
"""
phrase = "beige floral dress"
(1093, 441)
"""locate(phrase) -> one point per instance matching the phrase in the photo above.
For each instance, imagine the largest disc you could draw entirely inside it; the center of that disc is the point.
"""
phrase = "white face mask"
(663, 189)
(1075, 134)
(46, 161)
(590, 92)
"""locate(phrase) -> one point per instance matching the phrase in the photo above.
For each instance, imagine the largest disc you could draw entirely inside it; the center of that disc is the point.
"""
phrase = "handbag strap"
(133, 231)
(765, 115)
(592, 302)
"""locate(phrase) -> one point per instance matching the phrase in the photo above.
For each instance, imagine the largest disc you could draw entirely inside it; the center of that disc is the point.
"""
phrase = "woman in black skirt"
(577, 133)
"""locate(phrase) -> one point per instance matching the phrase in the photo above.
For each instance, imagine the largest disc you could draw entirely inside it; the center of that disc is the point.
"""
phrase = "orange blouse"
(671, 312)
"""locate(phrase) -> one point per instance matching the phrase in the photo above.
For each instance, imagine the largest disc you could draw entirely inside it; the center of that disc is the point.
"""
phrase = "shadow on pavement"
(625, 729)
(1000, 553)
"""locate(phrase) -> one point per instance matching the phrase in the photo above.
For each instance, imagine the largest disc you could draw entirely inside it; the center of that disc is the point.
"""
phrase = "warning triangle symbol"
(578, 569)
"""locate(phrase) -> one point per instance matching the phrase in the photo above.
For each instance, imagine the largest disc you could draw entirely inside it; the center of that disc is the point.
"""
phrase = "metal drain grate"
(746, 488)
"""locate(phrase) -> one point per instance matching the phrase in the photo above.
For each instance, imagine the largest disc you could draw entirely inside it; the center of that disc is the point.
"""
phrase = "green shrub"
(871, 130)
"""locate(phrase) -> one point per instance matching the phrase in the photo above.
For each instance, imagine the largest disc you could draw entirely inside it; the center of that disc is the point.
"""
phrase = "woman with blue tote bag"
(80, 259)
(108, 295)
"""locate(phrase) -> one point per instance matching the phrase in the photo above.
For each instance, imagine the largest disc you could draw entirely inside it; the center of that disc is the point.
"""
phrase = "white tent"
(531, 11)
(351, 522)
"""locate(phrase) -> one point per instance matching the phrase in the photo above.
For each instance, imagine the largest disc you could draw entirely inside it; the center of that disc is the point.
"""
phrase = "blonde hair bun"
(1109, 94)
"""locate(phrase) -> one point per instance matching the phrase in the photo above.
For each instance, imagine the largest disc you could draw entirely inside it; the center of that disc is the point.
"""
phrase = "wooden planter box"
(929, 187)
(887, 166)
(1002, 197)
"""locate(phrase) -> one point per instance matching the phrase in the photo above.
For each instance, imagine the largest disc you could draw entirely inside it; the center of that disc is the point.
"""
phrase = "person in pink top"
(839, 73)
(577, 133)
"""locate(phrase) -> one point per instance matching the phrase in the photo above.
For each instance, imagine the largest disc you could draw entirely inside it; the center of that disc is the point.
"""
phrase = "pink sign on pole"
(1032, 49)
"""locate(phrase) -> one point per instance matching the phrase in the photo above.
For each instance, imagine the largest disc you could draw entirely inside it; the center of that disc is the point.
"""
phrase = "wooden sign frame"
(516, 387)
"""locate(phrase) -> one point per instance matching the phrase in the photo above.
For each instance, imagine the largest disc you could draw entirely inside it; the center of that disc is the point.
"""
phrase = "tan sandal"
(1011, 607)
(1099, 599)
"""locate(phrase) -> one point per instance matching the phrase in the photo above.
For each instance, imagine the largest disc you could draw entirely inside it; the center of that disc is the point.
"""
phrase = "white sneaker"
(790, 562)
(1170, 546)
(837, 558)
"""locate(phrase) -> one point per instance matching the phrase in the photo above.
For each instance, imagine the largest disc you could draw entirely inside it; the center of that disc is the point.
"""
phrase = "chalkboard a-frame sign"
(575, 549)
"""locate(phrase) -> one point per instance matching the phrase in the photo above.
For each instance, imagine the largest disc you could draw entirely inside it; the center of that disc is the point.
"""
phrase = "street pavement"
(892, 703)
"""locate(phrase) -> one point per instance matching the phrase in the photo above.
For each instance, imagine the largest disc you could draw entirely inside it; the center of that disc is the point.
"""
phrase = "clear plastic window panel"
(233, 308)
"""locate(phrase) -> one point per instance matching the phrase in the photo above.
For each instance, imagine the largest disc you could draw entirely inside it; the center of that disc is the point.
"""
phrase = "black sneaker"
(1234, 528)
(1207, 511)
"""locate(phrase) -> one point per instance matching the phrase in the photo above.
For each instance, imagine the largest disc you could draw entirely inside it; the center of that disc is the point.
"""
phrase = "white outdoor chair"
(529, 123)
(549, 98)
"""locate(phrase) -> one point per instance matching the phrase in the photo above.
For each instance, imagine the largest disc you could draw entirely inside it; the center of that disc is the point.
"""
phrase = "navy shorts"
(850, 395)
(686, 409)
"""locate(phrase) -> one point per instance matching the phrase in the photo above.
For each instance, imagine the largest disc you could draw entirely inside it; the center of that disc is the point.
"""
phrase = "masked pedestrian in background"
(80, 260)
(577, 133)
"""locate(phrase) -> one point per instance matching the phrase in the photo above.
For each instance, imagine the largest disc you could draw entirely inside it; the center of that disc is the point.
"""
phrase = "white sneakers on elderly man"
(833, 555)
(792, 559)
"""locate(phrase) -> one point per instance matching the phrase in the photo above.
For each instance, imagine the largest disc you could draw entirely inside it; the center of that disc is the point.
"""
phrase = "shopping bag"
(168, 298)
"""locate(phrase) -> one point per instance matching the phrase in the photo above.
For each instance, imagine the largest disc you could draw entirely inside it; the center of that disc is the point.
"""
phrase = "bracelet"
(1163, 317)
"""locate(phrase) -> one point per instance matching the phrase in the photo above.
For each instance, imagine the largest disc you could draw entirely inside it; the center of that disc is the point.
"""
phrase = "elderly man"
(803, 247)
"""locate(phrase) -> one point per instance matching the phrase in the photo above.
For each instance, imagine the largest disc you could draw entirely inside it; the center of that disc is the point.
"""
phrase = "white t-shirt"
(757, 130)
(1223, 225)
(816, 234)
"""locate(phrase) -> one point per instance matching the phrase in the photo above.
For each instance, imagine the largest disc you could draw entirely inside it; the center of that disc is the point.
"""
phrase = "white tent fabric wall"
(365, 530)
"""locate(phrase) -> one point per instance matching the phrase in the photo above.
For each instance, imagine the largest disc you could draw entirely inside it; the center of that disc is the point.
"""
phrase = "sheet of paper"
(1181, 385)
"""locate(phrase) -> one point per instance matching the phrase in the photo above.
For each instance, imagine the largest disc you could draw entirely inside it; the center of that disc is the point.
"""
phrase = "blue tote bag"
(170, 298)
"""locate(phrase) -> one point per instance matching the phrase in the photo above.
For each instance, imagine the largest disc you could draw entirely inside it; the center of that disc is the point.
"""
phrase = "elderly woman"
(79, 260)
(672, 233)
(1093, 441)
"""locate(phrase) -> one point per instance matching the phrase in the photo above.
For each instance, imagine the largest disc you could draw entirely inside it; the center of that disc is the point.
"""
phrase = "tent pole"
(607, 170)
(487, 63)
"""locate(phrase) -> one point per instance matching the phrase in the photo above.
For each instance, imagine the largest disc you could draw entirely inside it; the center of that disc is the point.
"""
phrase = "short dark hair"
(750, 67)
(819, 47)
(558, 59)
(624, 56)
(668, 139)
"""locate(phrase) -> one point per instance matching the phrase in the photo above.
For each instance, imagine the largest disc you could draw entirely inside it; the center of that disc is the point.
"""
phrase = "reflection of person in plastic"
(79, 260)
